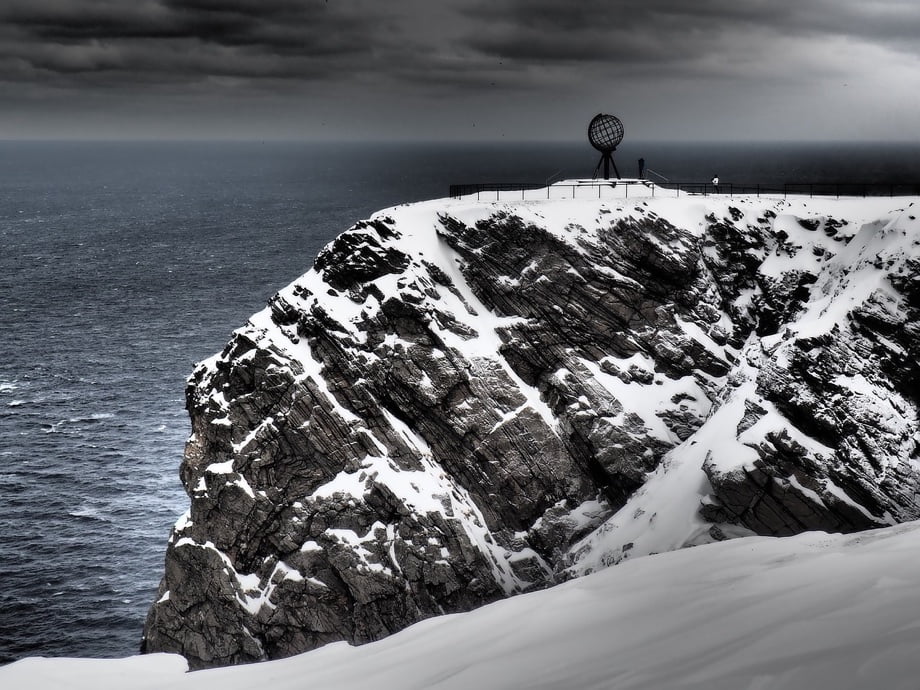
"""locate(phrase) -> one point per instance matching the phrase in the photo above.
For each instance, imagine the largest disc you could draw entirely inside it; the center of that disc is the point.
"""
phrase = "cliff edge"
(465, 400)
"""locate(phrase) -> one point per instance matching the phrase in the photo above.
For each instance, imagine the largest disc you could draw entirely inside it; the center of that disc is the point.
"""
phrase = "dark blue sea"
(122, 264)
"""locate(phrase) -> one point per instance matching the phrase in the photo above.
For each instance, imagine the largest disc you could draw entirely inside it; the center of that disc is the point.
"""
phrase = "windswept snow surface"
(812, 611)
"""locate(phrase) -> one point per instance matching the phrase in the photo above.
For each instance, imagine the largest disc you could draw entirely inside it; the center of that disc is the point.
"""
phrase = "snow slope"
(810, 611)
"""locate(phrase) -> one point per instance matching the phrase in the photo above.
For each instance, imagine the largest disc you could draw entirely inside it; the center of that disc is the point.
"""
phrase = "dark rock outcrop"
(464, 401)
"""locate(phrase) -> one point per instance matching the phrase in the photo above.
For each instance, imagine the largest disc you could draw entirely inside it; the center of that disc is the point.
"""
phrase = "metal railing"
(458, 190)
(810, 189)
(499, 190)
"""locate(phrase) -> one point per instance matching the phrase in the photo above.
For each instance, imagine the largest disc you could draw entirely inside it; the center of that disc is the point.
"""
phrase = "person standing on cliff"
(715, 183)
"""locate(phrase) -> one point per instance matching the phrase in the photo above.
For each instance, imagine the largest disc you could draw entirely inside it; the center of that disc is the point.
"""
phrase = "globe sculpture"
(605, 132)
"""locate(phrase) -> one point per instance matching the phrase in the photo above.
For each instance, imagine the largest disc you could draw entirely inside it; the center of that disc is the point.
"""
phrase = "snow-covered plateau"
(466, 400)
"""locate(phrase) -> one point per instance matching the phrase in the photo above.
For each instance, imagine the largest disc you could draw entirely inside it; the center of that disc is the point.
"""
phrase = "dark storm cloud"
(461, 44)
(277, 25)
(637, 32)
(344, 63)
(154, 40)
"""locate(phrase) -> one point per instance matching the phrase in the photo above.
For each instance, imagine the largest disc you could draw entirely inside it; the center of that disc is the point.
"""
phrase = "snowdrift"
(810, 611)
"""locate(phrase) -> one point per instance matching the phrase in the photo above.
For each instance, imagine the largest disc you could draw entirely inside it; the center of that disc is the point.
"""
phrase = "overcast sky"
(459, 69)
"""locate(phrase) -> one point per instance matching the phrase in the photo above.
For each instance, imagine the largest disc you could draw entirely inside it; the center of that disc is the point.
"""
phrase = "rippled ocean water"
(123, 264)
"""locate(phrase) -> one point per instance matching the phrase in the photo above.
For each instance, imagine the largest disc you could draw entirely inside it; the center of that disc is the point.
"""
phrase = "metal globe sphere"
(605, 132)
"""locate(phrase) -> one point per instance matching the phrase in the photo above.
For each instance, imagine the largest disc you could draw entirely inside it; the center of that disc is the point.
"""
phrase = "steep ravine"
(464, 400)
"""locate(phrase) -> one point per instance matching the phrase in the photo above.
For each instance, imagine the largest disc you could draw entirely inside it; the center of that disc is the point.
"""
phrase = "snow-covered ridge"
(466, 400)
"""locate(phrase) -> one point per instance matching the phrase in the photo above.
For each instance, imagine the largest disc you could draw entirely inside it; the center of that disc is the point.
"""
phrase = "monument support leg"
(596, 168)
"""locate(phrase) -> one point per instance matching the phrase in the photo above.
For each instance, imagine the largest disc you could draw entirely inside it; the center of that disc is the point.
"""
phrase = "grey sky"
(459, 69)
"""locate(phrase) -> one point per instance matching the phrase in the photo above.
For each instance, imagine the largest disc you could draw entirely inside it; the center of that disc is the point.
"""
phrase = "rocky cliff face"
(465, 400)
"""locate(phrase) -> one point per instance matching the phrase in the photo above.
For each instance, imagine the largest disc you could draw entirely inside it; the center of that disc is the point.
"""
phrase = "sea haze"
(122, 264)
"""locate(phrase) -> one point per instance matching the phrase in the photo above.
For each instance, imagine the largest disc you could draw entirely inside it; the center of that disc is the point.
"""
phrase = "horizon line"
(445, 142)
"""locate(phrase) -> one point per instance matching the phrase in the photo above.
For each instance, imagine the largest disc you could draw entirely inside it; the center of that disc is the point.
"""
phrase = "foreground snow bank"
(812, 611)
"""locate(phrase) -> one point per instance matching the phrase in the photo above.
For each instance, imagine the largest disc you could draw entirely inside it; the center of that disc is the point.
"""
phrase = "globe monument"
(605, 132)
